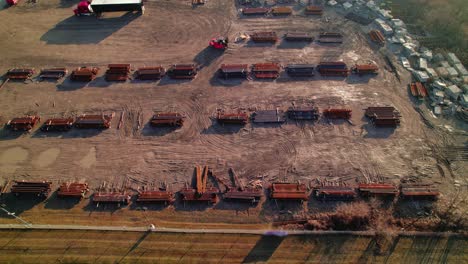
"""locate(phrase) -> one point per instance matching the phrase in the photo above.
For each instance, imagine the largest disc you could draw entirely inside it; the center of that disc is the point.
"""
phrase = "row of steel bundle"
(272, 37)
(26, 123)
(277, 191)
(281, 10)
(272, 70)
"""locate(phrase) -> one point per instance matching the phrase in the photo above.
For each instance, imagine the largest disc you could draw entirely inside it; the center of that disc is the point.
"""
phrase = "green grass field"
(33, 246)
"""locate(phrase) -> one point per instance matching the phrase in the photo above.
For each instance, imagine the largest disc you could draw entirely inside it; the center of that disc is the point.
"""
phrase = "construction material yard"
(131, 153)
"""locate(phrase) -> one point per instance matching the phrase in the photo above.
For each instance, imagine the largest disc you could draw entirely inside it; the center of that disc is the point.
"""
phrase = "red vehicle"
(12, 2)
(82, 8)
(219, 43)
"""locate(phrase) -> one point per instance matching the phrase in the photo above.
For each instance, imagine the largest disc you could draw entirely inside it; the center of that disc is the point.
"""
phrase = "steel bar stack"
(337, 113)
(383, 116)
(378, 189)
(333, 68)
(303, 113)
(36, 188)
(84, 74)
(58, 124)
(183, 71)
(117, 72)
(19, 74)
(269, 116)
(150, 73)
(300, 70)
(330, 37)
(228, 71)
(252, 11)
(377, 37)
(167, 119)
(288, 191)
(266, 70)
(93, 121)
(239, 118)
(314, 10)
(335, 193)
(25, 123)
(264, 37)
(53, 73)
(72, 190)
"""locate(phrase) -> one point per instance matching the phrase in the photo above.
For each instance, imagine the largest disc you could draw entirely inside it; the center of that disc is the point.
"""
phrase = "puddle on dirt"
(10, 158)
(46, 157)
(89, 160)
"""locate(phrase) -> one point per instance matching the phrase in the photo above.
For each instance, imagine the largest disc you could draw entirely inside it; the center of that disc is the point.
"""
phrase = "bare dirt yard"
(46, 34)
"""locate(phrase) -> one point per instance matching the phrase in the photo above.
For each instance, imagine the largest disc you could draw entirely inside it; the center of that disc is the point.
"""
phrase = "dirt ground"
(47, 34)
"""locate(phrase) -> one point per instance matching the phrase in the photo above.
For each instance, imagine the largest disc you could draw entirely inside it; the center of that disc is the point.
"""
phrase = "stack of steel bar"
(300, 70)
(53, 73)
(335, 193)
(330, 37)
(378, 189)
(198, 2)
(266, 70)
(167, 119)
(94, 121)
(111, 197)
(84, 74)
(25, 123)
(149, 196)
(248, 195)
(72, 190)
(19, 74)
(268, 116)
(288, 191)
(191, 195)
(117, 72)
(183, 71)
(314, 10)
(383, 115)
(419, 191)
(303, 113)
(298, 36)
(41, 188)
(418, 90)
(150, 73)
(362, 69)
(265, 36)
(58, 124)
(377, 37)
(337, 113)
(239, 118)
(233, 71)
(255, 11)
(200, 193)
(336, 68)
(281, 11)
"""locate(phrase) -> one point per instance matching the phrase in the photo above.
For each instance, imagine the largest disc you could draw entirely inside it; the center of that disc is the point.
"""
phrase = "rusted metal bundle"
(383, 115)
(111, 197)
(264, 36)
(150, 73)
(337, 113)
(19, 74)
(248, 195)
(288, 191)
(72, 190)
(303, 113)
(419, 191)
(255, 11)
(336, 68)
(240, 118)
(149, 196)
(298, 36)
(269, 116)
(314, 10)
(266, 70)
(58, 124)
(335, 193)
(37, 188)
(191, 195)
(53, 73)
(167, 119)
(25, 123)
(300, 70)
(377, 37)
(183, 71)
(93, 121)
(330, 37)
(377, 189)
(84, 74)
(117, 72)
(418, 90)
(233, 71)
(362, 69)
(281, 11)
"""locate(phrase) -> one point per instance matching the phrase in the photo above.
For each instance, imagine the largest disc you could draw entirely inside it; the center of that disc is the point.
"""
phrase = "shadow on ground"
(86, 29)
